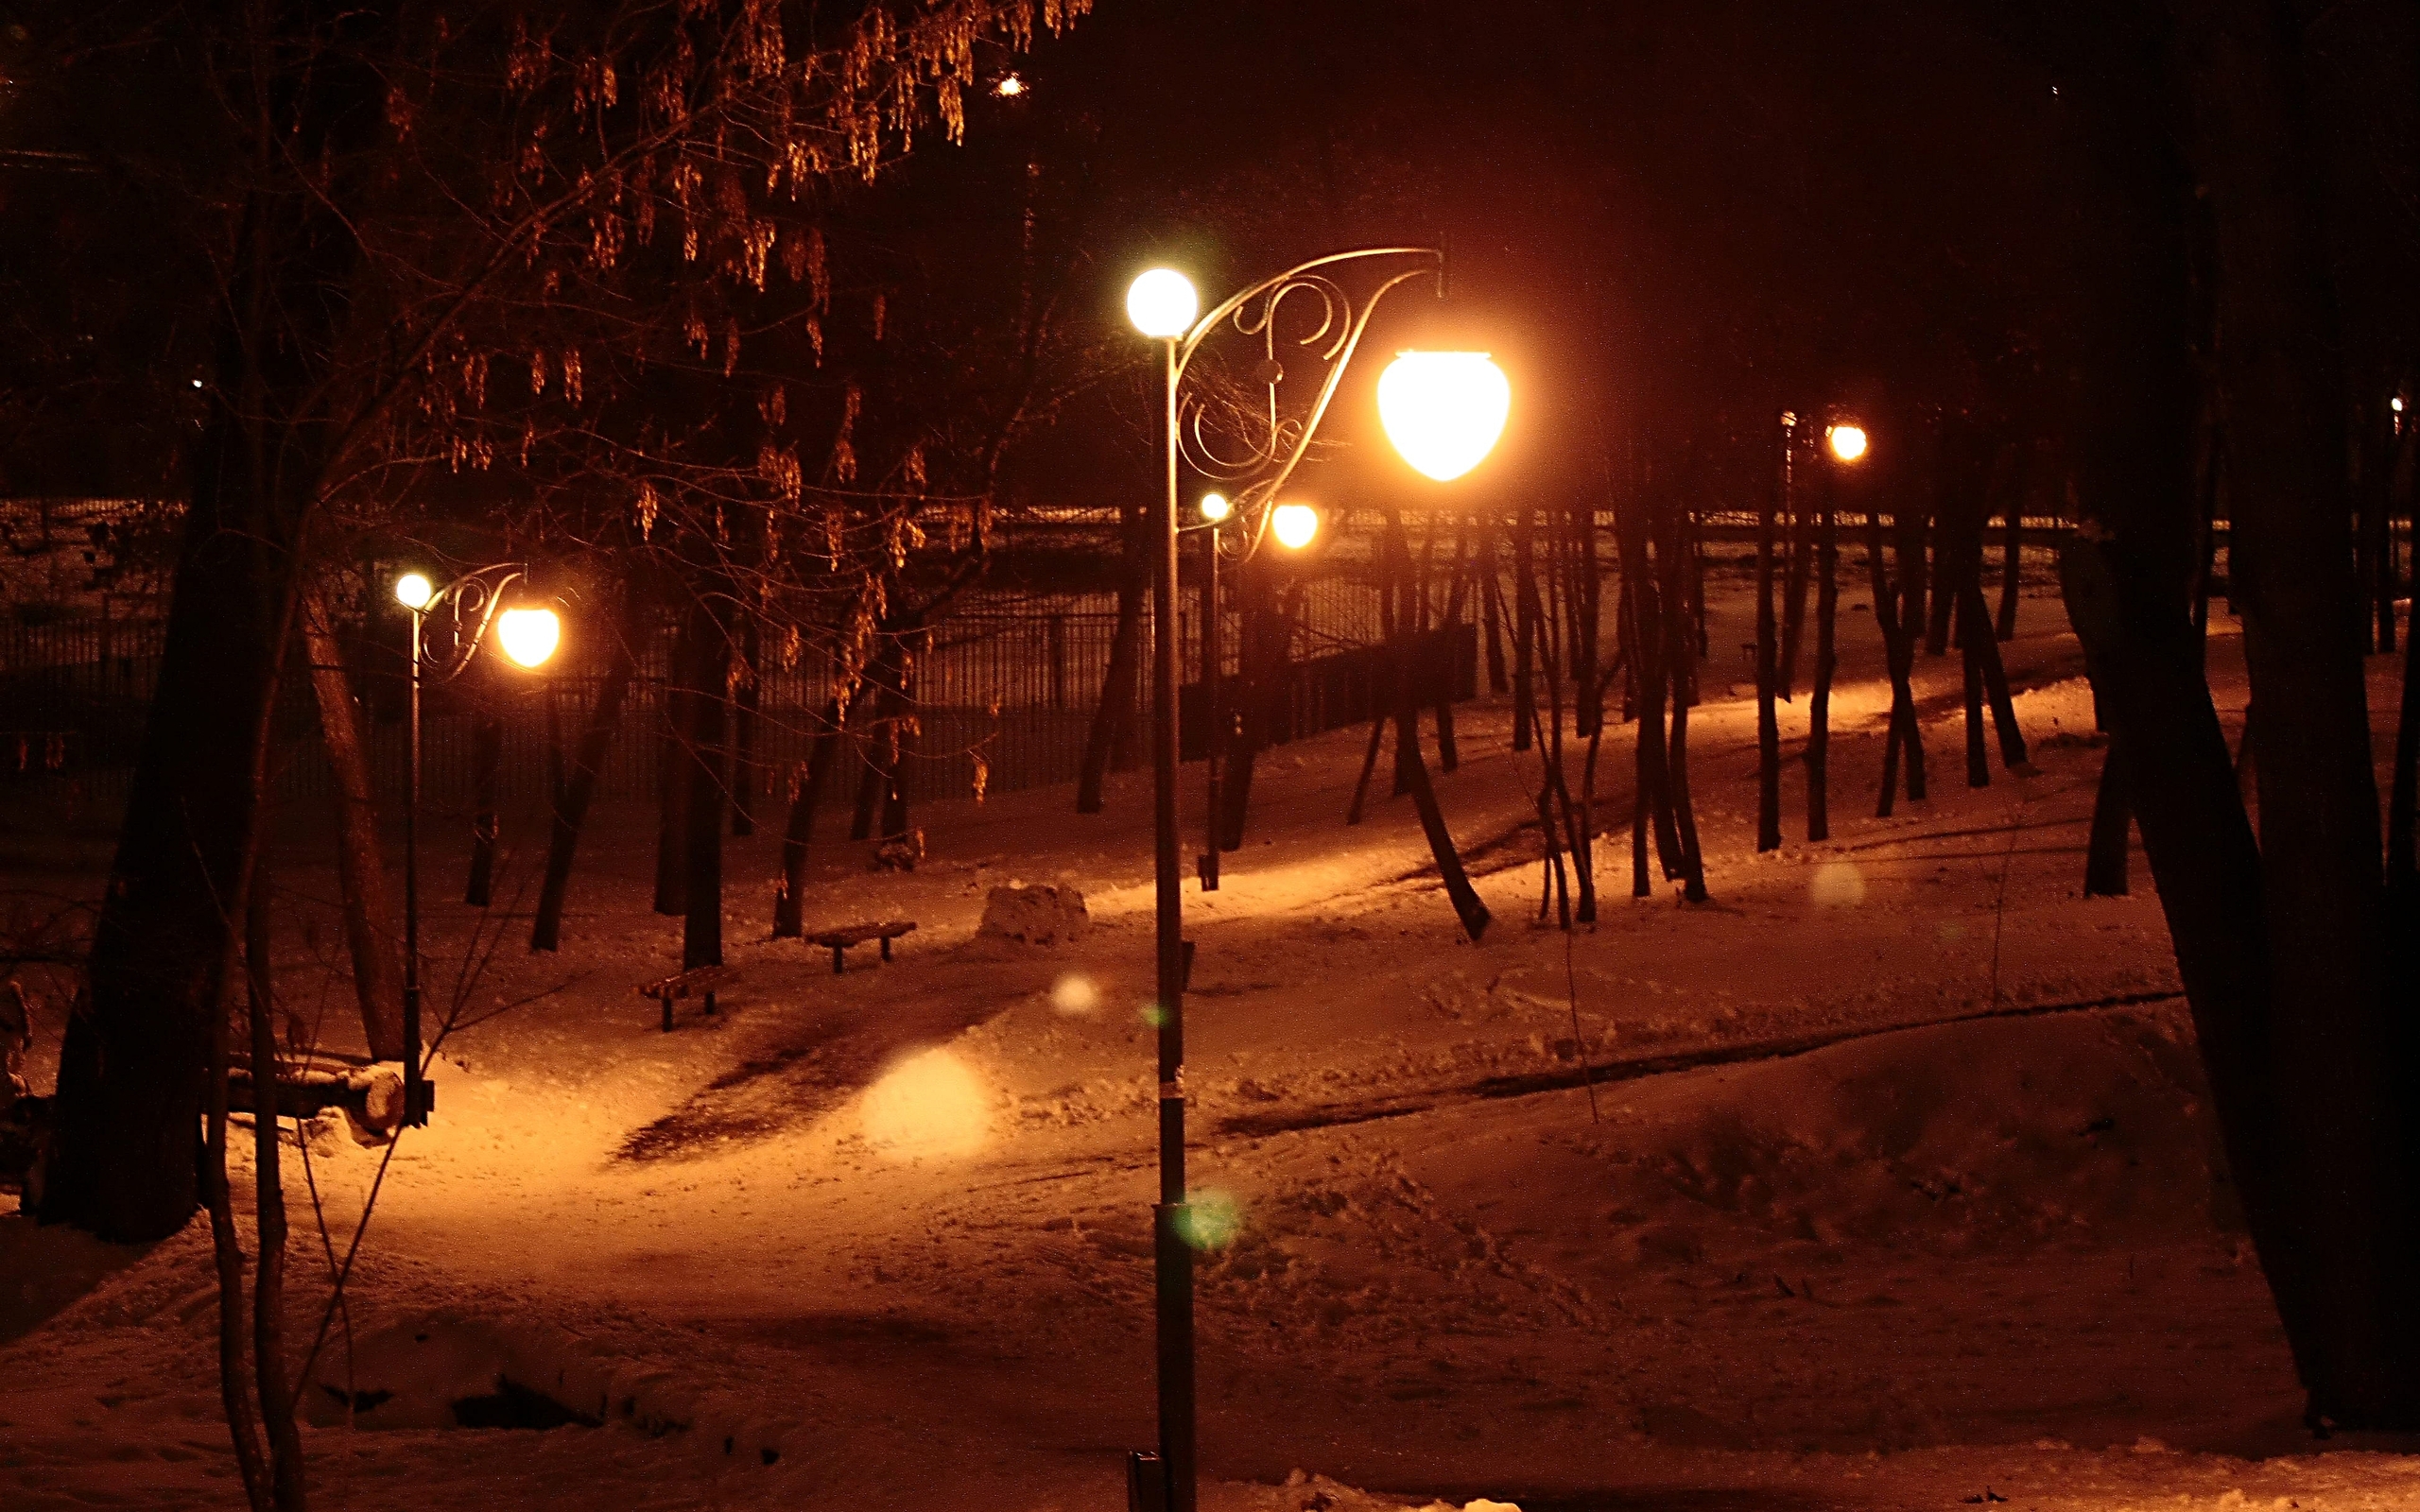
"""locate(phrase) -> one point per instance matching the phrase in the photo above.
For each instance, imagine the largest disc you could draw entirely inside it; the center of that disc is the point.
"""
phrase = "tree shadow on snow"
(48, 1268)
(811, 1069)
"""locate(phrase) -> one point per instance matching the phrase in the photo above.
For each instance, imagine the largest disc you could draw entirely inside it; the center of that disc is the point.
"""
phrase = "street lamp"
(1445, 392)
(1847, 441)
(528, 634)
(1294, 524)
(1443, 410)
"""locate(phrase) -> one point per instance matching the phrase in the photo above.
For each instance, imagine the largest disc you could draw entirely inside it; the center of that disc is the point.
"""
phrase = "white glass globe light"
(1295, 524)
(528, 636)
(413, 590)
(1848, 442)
(1162, 302)
(1216, 508)
(1443, 410)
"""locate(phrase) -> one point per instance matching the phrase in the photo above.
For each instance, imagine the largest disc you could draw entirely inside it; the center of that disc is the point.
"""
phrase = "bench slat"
(702, 979)
(849, 935)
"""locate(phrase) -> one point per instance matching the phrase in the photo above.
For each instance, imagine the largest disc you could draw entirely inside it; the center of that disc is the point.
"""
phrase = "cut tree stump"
(703, 981)
(838, 940)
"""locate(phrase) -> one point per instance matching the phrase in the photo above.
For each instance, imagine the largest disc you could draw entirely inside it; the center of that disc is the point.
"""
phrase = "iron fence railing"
(1001, 694)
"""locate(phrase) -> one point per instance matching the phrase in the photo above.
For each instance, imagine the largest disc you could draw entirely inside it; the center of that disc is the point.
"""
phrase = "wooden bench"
(703, 981)
(838, 940)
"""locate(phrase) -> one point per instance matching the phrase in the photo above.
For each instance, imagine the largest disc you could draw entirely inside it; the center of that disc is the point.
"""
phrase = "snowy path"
(1902, 1150)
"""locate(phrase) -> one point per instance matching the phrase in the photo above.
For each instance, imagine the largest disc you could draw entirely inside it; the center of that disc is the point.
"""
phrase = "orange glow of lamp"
(1443, 410)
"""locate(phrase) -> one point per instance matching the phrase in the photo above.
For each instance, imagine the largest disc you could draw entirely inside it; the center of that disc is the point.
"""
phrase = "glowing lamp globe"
(413, 590)
(528, 636)
(1443, 410)
(1848, 442)
(1162, 303)
(1215, 508)
(1295, 524)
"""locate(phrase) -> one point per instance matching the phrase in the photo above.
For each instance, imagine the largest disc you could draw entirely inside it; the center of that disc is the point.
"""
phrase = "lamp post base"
(1146, 1482)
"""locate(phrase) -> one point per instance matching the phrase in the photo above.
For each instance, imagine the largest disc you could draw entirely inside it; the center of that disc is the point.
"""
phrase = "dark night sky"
(1684, 216)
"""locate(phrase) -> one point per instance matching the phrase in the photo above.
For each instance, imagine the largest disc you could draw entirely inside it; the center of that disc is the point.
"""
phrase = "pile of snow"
(2066, 1126)
(1304, 1492)
(1044, 914)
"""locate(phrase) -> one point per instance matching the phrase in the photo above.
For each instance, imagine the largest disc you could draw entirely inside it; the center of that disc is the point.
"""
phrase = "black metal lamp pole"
(417, 1100)
(1172, 1255)
(478, 595)
(1169, 1485)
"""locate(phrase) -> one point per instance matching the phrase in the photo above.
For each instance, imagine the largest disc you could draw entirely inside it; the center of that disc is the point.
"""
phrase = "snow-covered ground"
(1886, 1180)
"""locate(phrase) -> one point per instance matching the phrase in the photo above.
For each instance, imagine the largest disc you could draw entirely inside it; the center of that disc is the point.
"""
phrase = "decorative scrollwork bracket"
(1243, 429)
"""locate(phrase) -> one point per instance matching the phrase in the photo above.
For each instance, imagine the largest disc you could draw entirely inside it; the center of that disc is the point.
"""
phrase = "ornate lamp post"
(527, 633)
(1443, 411)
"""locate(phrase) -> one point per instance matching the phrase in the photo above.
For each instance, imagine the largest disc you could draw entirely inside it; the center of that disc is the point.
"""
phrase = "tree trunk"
(132, 1068)
(235, 1396)
(2012, 541)
(487, 762)
(268, 1206)
(671, 779)
(749, 701)
(1116, 708)
(1768, 663)
(1905, 737)
(1681, 677)
(1491, 611)
(1819, 707)
(1795, 520)
(708, 675)
(1995, 676)
(798, 835)
(370, 933)
(902, 730)
(2340, 1057)
(2112, 815)
(1912, 526)
(1946, 535)
(1267, 674)
(1652, 656)
(570, 809)
(1979, 766)
(2206, 869)
(1525, 619)
(2403, 800)
(1467, 906)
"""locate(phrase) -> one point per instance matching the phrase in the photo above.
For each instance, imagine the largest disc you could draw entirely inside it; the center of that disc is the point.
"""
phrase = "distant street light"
(1294, 524)
(1848, 441)
(528, 634)
(1447, 410)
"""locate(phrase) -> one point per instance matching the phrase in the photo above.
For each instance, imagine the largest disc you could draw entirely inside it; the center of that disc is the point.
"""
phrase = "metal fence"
(1004, 689)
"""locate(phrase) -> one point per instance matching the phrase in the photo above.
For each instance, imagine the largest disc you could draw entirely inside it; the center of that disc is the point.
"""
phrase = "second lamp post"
(528, 634)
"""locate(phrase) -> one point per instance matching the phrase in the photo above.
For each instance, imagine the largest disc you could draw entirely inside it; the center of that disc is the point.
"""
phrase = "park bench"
(838, 940)
(703, 981)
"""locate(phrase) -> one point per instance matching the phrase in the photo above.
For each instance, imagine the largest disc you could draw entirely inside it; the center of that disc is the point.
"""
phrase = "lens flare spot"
(1075, 995)
(1837, 885)
(928, 1104)
(1152, 1015)
(1951, 933)
(1210, 1220)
